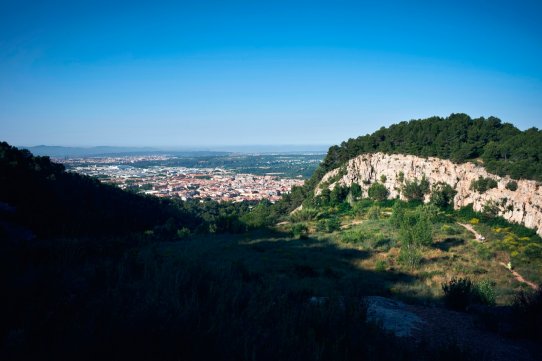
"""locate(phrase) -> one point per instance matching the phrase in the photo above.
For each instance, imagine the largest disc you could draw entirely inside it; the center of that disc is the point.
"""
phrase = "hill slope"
(39, 194)
(516, 201)
(504, 149)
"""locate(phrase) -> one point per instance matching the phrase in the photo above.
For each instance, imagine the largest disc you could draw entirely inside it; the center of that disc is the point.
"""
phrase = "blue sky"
(199, 73)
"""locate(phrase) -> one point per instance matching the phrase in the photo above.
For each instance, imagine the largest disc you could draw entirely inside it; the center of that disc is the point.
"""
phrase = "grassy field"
(365, 252)
(245, 296)
(362, 256)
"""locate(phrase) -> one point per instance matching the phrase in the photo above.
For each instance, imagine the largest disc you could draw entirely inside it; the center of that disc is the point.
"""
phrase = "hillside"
(112, 274)
(515, 201)
(504, 149)
(42, 196)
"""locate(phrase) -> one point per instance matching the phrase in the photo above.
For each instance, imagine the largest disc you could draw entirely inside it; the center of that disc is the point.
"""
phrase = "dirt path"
(517, 276)
(520, 277)
(470, 228)
(353, 223)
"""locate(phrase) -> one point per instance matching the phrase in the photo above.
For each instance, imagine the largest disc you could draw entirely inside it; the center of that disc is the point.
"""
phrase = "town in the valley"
(217, 184)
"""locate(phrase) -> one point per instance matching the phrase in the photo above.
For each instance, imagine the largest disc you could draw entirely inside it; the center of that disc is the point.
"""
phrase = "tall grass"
(117, 299)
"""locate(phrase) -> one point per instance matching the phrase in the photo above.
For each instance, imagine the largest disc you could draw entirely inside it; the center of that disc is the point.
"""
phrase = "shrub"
(380, 265)
(485, 293)
(416, 190)
(383, 178)
(300, 230)
(356, 190)
(430, 211)
(378, 192)
(458, 293)
(305, 214)
(416, 228)
(183, 233)
(353, 236)
(338, 195)
(374, 212)
(333, 224)
(397, 214)
(450, 230)
(512, 185)
(442, 195)
(490, 209)
(481, 185)
(410, 256)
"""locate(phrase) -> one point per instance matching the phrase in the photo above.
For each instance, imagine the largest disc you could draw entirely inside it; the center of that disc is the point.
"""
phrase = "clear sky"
(195, 73)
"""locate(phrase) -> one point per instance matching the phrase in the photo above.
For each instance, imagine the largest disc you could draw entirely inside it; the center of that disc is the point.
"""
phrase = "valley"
(440, 259)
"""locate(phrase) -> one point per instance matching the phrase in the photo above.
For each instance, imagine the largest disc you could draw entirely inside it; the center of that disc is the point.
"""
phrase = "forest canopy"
(503, 148)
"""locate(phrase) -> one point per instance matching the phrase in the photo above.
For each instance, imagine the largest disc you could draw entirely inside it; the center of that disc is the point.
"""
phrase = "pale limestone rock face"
(523, 206)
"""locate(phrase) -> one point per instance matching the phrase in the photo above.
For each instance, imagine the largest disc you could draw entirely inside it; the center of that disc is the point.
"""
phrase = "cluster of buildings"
(190, 183)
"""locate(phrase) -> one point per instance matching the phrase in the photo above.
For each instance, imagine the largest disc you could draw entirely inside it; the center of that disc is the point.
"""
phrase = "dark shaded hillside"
(503, 148)
(51, 202)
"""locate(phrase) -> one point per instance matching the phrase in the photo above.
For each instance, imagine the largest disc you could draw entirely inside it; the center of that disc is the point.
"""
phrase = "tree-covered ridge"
(50, 201)
(504, 149)
(41, 196)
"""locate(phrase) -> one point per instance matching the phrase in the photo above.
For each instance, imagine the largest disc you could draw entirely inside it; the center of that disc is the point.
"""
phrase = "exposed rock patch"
(523, 205)
(393, 316)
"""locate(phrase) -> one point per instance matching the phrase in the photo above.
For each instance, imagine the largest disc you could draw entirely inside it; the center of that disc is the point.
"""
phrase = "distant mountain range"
(60, 151)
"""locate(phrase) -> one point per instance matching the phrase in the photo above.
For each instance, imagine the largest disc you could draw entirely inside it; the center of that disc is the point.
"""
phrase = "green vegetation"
(512, 185)
(378, 192)
(504, 149)
(416, 190)
(130, 276)
(442, 195)
(287, 165)
(481, 185)
(485, 292)
(458, 293)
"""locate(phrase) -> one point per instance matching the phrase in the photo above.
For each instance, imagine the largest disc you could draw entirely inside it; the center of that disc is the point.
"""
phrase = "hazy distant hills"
(59, 151)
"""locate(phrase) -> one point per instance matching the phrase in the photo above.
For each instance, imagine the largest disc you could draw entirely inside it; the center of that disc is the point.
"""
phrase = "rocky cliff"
(523, 206)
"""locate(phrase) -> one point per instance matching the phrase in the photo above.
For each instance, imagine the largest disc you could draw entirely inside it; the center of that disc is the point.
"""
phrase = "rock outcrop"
(523, 205)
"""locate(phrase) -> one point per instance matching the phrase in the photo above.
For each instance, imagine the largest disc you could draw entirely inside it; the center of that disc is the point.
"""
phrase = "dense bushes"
(481, 185)
(512, 185)
(378, 192)
(416, 190)
(442, 195)
(415, 227)
(328, 225)
(504, 148)
(459, 293)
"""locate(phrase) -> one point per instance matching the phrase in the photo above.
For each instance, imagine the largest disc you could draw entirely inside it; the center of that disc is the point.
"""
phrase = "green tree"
(442, 195)
(416, 228)
(378, 192)
(356, 190)
(397, 214)
(416, 189)
(338, 195)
